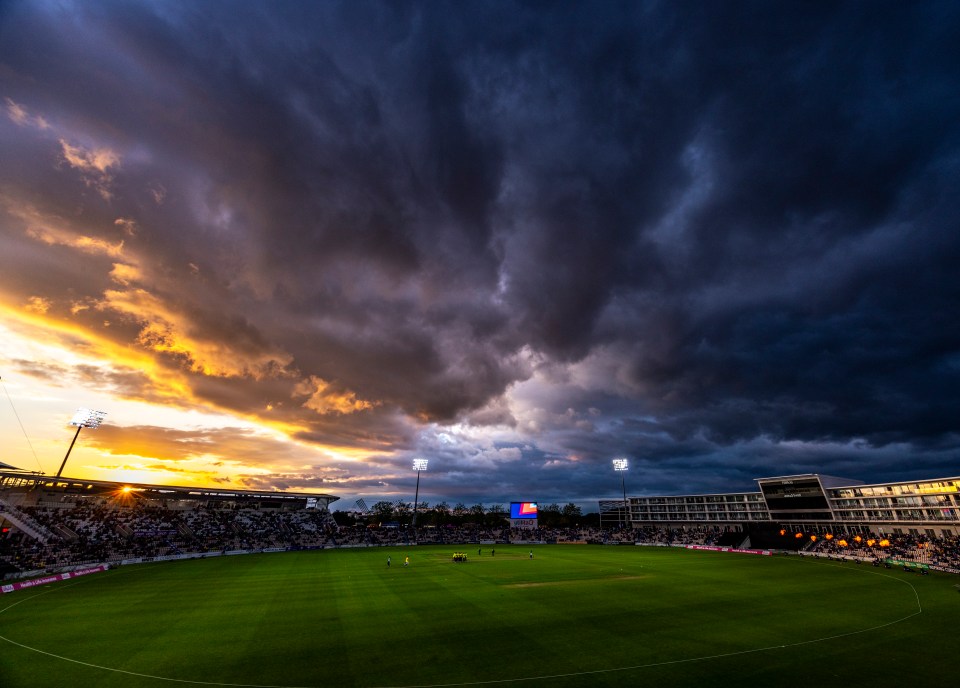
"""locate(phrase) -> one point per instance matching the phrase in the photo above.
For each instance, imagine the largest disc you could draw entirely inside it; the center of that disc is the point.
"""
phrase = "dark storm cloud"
(698, 234)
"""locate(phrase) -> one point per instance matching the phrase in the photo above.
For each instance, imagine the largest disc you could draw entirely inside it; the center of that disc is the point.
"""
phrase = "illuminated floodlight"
(83, 418)
(418, 465)
(621, 466)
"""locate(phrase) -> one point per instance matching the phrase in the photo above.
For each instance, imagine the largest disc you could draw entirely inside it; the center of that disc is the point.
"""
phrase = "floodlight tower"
(621, 466)
(418, 465)
(83, 418)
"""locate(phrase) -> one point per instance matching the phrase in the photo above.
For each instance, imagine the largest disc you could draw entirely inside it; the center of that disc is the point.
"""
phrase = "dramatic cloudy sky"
(297, 244)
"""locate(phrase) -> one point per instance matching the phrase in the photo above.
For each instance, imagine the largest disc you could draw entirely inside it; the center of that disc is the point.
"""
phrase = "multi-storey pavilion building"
(809, 502)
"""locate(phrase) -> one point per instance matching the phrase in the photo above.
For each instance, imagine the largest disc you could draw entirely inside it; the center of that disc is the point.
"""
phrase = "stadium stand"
(941, 552)
(47, 530)
(98, 532)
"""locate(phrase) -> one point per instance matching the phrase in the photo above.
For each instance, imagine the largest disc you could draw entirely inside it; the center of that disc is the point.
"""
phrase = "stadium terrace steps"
(65, 533)
(25, 523)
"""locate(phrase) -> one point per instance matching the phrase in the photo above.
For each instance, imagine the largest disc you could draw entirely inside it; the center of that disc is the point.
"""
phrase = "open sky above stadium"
(296, 245)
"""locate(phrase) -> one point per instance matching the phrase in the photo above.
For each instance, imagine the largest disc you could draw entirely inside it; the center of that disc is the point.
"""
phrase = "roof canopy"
(78, 486)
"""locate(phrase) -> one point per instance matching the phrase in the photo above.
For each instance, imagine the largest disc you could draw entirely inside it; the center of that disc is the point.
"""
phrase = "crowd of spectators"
(99, 530)
(935, 551)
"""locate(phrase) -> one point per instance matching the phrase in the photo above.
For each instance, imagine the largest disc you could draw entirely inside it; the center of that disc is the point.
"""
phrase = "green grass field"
(571, 616)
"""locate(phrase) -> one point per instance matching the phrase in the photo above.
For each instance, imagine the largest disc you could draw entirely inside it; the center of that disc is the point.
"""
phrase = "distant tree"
(496, 516)
(571, 515)
(441, 513)
(402, 511)
(459, 513)
(477, 511)
(383, 511)
(591, 520)
(549, 516)
(423, 514)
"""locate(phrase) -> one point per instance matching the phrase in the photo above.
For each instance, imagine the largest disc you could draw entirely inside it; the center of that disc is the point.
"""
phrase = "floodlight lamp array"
(620, 464)
(420, 465)
(86, 418)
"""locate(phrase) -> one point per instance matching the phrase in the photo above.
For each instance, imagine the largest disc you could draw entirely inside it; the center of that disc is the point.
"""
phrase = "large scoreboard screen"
(799, 494)
(523, 510)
